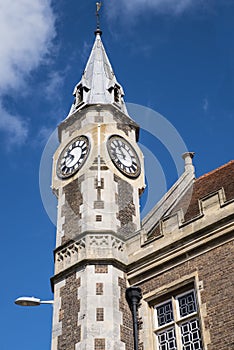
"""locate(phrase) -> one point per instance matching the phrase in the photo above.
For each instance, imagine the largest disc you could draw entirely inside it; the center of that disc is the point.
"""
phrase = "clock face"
(124, 156)
(73, 157)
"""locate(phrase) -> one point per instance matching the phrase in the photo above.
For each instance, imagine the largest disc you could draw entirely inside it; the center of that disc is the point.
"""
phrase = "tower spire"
(98, 7)
(98, 84)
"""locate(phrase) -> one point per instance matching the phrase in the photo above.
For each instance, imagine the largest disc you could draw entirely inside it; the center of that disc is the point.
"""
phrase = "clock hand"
(121, 150)
(121, 154)
(70, 158)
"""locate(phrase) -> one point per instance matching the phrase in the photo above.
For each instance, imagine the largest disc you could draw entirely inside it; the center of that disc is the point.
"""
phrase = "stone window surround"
(188, 282)
(177, 320)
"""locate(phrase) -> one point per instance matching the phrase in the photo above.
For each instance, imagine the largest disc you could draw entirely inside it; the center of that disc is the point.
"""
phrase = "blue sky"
(172, 56)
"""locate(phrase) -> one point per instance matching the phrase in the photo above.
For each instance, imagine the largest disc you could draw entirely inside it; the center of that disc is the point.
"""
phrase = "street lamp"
(133, 297)
(31, 301)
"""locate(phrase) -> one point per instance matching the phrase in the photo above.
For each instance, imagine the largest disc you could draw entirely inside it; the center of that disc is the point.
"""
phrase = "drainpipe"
(133, 297)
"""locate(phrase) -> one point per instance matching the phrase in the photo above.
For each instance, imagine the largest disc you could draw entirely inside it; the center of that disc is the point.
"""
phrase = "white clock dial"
(73, 157)
(124, 156)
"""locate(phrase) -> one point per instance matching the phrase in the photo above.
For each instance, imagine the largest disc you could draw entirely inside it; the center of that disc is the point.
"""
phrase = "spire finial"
(98, 7)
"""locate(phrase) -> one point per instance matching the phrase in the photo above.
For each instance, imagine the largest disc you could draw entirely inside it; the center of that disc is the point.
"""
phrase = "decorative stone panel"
(69, 255)
(98, 204)
(101, 268)
(90, 247)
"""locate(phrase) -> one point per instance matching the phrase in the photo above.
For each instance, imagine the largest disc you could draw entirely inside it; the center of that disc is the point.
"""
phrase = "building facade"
(183, 262)
(179, 255)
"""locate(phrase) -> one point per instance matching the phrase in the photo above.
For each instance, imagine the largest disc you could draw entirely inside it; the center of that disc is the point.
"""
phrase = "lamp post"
(133, 297)
(31, 301)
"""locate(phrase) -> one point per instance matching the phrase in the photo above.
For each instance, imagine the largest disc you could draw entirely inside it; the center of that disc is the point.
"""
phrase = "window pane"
(164, 313)
(167, 340)
(187, 304)
(191, 335)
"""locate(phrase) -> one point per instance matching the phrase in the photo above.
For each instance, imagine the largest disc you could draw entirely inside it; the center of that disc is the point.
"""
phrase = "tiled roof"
(222, 177)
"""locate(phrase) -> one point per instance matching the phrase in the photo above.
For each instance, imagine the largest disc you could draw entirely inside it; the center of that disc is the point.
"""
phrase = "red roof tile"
(222, 177)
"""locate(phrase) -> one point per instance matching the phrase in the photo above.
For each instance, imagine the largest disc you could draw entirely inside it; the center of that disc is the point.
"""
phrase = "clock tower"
(98, 176)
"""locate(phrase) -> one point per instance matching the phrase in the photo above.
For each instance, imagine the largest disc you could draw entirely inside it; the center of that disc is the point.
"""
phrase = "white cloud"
(54, 84)
(43, 135)
(205, 105)
(26, 33)
(14, 128)
(135, 7)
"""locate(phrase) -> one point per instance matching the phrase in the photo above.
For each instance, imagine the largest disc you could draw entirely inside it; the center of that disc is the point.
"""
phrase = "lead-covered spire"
(98, 84)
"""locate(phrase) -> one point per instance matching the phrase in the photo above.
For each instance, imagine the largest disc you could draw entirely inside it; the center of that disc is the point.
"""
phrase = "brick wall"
(126, 329)
(71, 124)
(71, 210)
(215, 269)
(68, 314)
(126, 206)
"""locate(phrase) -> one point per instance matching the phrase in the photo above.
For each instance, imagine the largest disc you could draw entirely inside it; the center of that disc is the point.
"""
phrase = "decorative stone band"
(90, 247)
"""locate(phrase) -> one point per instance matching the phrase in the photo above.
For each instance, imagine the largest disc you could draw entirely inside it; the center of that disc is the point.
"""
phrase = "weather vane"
(98, 7)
